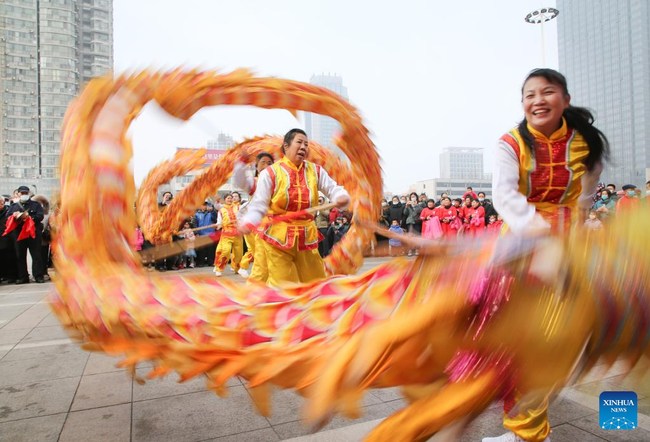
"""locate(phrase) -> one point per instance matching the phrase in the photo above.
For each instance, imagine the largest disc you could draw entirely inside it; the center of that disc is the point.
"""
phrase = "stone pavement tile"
(603, 371)
(388, 394)
(110, 424)
(300, 428)
(3, 353)
(195, 417)
(13, 336)
(263, 435)
(631, 383)
(488, 424)
(29, 318)
(643, 406)
(169, 385)
(562, 411)
(37, 429)
(49, 321)
(288, 406)
(64, 349)
(46, 334)
(595, 388)
(591, 424)
(21, 299)
(52, 367)
(33, 399)
(569, 433)
(102, 363)
(102, 390)
(398, 404)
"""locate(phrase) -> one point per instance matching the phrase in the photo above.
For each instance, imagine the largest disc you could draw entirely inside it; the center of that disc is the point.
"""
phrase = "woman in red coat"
(447, 215)
(476, 217)
(426, 214)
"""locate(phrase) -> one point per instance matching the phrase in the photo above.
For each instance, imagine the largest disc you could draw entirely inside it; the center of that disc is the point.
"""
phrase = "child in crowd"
(395, 245)
(494, 224)
(190, 253)
(593, 223)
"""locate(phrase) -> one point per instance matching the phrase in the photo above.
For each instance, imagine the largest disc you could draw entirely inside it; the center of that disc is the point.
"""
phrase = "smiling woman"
(547, 170)
(549, 166)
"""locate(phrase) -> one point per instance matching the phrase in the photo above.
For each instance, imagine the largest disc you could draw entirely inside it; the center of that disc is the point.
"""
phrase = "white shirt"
(240, 179)
(512, 205)
(259, 205)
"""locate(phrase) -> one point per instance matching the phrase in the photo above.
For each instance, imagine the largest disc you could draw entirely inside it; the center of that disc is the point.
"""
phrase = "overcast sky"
(424, 74)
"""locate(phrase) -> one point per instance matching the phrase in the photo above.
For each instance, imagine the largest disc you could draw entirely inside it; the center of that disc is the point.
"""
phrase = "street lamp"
(35, 189)
(538, 17)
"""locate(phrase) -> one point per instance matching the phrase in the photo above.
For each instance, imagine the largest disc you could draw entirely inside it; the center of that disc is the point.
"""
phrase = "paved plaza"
(52, 390)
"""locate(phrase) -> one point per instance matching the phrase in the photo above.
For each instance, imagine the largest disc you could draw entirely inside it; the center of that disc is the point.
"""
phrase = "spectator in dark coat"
(8, 268)
(395, 211)
(27, 208)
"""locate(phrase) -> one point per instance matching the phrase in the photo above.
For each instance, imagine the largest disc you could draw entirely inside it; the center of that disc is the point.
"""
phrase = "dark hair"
(613, 185)
(168, 192)
(431, 201)
(648, 182)
(469, 188)
(411, 195)
(259, 157)
(289, 136)
(481, 193)
(460, 200)
(238, 194)
(475, 200)
(578, 118)
(445, 198)
(607, 191)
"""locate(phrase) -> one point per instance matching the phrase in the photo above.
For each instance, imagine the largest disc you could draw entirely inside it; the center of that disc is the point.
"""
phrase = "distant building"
(48, 51)
(461, 163)
(455, 188)
(216, 149)
(604, 51)
(320, 128)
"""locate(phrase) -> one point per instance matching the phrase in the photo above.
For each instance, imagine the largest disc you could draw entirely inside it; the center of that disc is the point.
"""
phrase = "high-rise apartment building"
(48, 50)
(604, 49)
(320, 128)
(461, 163)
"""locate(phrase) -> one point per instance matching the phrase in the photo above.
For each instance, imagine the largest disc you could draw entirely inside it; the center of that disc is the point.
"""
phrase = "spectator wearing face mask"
(412, 211)
(612, 192)
(395, 211)
(605, 206)
(593, 223)
(629, 201)
(487, 205)
(8, 268)
(27, 230)
(495, 223)
(322, 220)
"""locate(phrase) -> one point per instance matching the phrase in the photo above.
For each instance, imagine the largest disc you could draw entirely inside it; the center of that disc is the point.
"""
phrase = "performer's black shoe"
(39, 279)
(22, 281)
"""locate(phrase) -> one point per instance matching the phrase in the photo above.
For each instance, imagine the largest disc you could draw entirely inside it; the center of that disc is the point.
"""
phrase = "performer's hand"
(342, 201)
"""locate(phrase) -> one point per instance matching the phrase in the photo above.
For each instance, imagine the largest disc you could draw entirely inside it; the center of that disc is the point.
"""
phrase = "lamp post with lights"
(539, 17)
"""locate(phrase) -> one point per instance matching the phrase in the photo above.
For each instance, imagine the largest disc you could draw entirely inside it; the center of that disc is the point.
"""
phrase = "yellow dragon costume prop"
(458, 328)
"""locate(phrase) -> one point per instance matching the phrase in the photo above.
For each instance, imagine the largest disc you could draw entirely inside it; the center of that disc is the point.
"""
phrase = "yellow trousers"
(249, 257)
(308, 263)
(260, 272)
(531, 424)
(228, 245)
